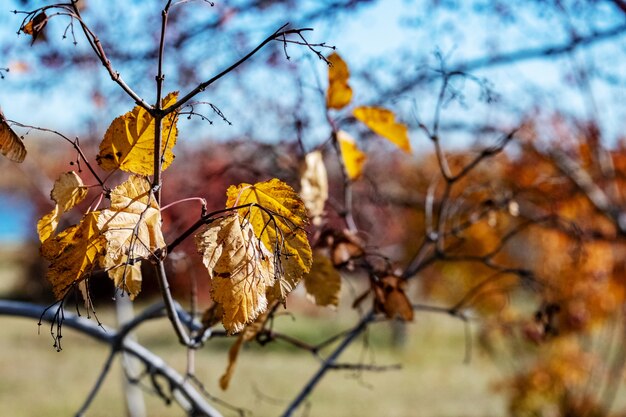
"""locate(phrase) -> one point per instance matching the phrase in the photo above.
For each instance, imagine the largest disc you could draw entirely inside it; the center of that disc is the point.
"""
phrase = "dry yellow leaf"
(314, 185)
(339, 93)
(47, 225)
(353, 158)
(241, 269)
(383, 122)
(127, 278)
(68, 191)
(73, 253)
(132, 228)
(323, 282)
(128, 143)
(278, 217)
(11, 145)
(248, 334)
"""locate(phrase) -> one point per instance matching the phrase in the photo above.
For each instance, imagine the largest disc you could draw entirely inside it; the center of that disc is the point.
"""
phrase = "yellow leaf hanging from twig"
(353, 158)
(383, 122)
(128, 143)
(67, 192)
(278, 217)
(339, 93)
(73, 254)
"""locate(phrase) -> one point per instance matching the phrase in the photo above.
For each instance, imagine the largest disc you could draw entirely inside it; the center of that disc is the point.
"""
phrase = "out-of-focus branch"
(279, 34)
(512, 57)
(329, 363)
(590, 188)
(620, 4)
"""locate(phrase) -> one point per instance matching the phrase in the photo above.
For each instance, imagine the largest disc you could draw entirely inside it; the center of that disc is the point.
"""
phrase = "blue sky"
(379, 33)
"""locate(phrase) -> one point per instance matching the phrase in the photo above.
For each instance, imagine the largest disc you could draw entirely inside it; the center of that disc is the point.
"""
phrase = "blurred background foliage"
(537, 264)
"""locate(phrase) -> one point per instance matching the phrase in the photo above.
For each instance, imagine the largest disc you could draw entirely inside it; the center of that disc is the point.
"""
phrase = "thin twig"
(201, 87)
(96, 387)
(328, 363)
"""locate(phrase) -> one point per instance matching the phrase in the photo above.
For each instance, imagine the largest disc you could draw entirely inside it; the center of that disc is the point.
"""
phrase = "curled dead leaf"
(390, 298)
(248, 334)
(34, 26)
(344, 246)
(11, 145)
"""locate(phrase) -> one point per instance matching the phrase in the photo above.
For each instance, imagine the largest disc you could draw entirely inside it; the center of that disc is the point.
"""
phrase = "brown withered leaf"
(344, 247)
(323, 282)
(390, 298)
(240, 267)
(11, 145)
(34, 26)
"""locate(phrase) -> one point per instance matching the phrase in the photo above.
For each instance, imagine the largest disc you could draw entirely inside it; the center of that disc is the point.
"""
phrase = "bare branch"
(108, 336)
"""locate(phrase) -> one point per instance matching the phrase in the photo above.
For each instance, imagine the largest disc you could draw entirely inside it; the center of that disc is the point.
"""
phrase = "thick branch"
(108, 336)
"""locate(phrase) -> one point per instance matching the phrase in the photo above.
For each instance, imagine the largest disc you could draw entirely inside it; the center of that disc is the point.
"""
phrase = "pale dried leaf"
(132, 228)
(68, 191)
(314, 185)
(127, 278)
(240, 267)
